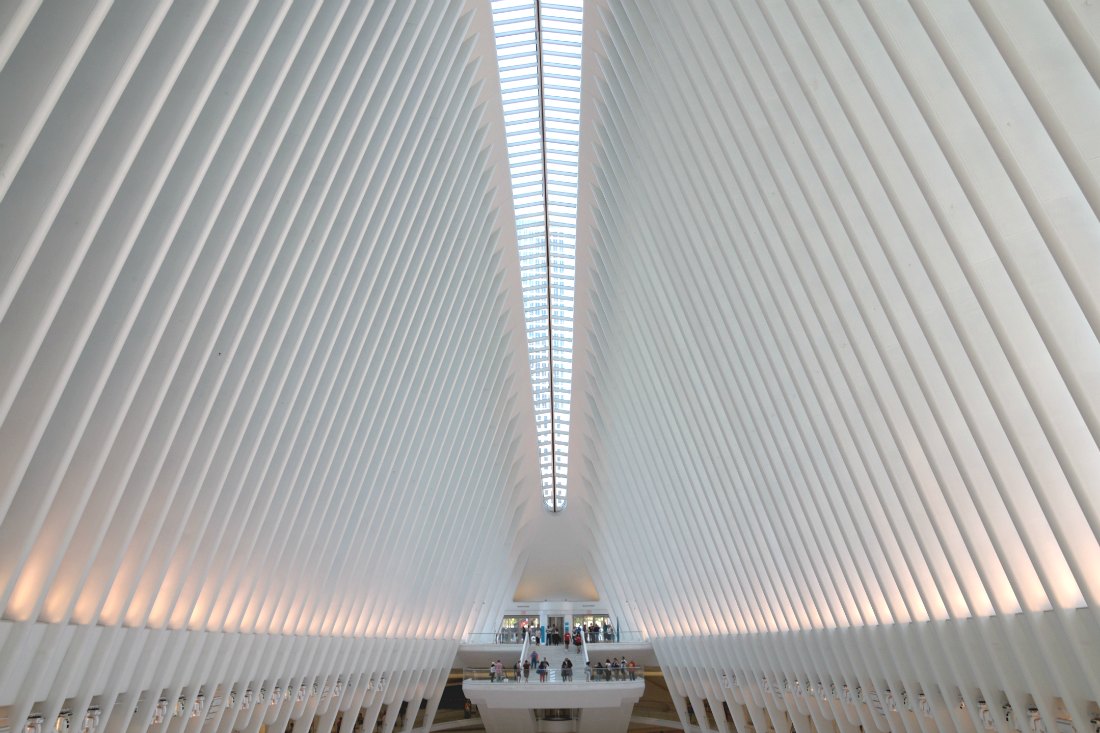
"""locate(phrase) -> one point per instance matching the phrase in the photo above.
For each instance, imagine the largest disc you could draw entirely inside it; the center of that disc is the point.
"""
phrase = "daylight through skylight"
(544, 191)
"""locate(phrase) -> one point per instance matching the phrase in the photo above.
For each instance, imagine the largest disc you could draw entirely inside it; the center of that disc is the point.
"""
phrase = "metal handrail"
(554, 675)
(526, 643)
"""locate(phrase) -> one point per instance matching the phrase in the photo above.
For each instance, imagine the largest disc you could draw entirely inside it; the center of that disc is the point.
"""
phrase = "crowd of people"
(522, 671)
(592, 633)
(608, 670)
(580, 635)
(596, 633)
(614, 669)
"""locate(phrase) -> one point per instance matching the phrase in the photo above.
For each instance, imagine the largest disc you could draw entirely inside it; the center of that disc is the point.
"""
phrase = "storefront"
(604, 631)
(511, 628)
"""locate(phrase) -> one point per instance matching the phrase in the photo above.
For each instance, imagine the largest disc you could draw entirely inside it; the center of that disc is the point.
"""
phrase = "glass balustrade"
(556, 675)
(515, 636)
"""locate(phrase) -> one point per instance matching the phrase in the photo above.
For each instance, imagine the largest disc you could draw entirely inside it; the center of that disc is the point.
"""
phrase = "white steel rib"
(266, 436)
(836, 389)
(267, 442)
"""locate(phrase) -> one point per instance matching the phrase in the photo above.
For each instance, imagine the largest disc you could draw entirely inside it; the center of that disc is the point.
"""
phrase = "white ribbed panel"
(265, 419)
(837, 390)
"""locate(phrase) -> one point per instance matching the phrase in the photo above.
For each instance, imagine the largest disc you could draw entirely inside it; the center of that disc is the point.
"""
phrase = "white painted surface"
(265, 420)
(836, 365)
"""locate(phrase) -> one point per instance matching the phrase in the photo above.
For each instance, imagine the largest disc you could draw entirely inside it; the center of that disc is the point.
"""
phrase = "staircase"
(555, 655)
(517, 707)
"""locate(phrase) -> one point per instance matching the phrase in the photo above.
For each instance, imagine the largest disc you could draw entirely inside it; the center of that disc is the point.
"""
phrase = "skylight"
(544, 192)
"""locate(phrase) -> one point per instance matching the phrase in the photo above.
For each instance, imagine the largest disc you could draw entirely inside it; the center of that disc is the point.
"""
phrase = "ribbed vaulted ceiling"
(836, 385)
(266, 419)
(267, 442)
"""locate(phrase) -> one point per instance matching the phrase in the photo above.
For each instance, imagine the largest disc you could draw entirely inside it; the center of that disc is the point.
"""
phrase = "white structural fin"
(267, 442)
(265, 422)
(837, 376)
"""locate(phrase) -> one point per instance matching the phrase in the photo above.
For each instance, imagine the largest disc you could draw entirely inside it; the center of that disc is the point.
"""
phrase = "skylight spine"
(544, 188)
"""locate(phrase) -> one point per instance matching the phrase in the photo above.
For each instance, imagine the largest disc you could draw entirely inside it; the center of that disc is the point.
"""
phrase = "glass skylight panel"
(544, 183)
